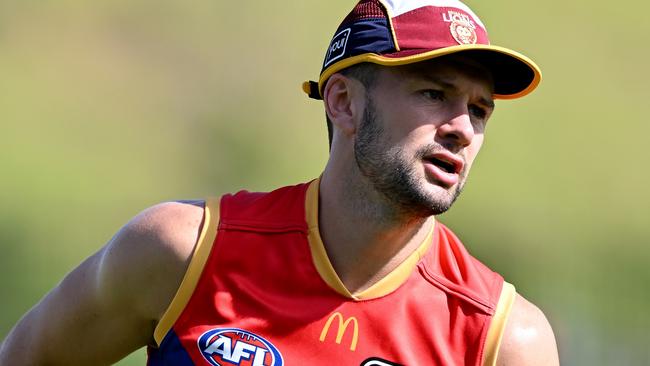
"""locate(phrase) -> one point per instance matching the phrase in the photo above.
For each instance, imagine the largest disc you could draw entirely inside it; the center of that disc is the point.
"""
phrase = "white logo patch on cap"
(463, 33)
(337, 47)
(462, 27)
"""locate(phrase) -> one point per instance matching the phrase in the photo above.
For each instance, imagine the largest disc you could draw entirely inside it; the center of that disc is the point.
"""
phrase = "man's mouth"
(444, 165)
(446, 162)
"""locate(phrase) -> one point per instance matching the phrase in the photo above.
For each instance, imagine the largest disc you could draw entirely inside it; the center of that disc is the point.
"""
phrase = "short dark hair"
(366, 73)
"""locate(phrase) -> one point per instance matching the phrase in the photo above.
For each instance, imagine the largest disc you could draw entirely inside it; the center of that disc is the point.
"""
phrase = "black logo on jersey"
(376, 361)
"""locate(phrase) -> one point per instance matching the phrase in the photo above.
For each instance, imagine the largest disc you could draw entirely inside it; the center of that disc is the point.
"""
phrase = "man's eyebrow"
(434, 79)
(448, 85)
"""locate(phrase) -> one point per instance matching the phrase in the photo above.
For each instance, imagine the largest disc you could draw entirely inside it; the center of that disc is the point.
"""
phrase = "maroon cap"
(400, 32)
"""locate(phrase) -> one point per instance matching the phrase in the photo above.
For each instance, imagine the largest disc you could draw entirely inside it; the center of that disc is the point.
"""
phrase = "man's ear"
(344, 102)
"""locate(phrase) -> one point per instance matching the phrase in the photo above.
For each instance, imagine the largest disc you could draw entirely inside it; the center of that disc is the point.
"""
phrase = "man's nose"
(458, 129)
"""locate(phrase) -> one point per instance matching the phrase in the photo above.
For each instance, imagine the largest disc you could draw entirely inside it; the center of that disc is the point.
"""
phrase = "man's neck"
(365, 238)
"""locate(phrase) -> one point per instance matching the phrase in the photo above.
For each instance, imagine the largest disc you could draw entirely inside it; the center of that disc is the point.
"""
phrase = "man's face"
(421, 130)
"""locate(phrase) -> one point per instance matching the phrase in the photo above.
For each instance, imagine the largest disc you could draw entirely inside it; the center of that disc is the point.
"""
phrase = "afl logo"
(233, 346)
(463, 32)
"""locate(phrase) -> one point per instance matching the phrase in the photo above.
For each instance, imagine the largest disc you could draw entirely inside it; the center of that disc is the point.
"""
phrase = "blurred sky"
(107, 107)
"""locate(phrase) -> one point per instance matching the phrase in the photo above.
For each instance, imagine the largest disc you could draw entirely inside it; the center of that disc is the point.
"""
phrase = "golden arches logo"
(340, 330)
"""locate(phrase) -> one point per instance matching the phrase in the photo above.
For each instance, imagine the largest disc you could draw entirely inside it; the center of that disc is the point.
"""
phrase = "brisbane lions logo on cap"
(462, 33)
(233, 346)
(462, 27)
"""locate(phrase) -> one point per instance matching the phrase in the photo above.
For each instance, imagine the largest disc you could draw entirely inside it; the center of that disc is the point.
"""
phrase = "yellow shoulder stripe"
(194, 270)
(498, 324)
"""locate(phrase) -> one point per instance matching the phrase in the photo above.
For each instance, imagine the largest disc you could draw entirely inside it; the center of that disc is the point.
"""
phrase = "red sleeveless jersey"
(260, 291)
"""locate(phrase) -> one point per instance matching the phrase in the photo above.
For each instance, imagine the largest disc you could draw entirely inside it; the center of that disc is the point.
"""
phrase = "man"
(349, 269)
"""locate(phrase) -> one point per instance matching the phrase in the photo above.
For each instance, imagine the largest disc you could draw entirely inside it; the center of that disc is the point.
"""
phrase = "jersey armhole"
(498, 324)
(195, 268)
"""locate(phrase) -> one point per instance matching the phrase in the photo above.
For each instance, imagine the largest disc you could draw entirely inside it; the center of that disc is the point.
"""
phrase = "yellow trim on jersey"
(324, 267)
(194, 270)
(318, 253)
(498, 324)
(400, 274)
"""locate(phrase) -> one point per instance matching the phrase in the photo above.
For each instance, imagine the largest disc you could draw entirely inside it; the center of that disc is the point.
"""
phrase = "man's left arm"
(528, 339)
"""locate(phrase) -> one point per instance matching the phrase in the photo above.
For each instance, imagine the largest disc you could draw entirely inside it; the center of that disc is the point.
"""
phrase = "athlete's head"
(408, 86)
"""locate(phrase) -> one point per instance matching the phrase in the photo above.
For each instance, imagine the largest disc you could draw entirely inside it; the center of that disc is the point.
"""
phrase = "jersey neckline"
(384, 286)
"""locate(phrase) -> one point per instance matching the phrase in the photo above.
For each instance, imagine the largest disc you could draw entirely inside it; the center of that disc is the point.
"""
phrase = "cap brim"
(514, 74)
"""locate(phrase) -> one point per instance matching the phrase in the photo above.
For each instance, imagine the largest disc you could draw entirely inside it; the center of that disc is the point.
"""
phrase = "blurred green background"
(107, 107)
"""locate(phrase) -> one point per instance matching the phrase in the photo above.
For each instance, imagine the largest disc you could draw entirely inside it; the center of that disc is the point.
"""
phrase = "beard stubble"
(393, 174)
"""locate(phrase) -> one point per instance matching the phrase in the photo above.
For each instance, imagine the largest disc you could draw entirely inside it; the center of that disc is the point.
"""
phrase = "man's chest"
(242, 324)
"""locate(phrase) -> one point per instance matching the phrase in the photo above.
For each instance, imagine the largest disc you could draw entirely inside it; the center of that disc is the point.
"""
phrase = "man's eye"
(477, 111)
(434, 94)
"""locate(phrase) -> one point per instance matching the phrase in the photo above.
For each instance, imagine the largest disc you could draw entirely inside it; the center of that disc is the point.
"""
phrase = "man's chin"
(441, 191)
(441, 199)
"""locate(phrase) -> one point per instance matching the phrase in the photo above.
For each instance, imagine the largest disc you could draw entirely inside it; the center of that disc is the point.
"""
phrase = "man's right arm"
(110, 304)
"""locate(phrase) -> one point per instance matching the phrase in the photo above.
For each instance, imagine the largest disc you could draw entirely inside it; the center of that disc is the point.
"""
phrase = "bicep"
(108, 306)
(528, 339)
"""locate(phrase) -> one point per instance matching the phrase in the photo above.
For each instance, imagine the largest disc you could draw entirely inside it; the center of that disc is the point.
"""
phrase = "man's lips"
(444, 168)
(448, 162)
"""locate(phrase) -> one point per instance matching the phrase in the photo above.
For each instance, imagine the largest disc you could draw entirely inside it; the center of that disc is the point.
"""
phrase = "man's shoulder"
(153, 251)
(167, 224)
(528, 338)
(166, 232)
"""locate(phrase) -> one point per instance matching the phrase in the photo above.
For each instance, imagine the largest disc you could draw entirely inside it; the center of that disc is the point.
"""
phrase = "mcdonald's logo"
(341, 329)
